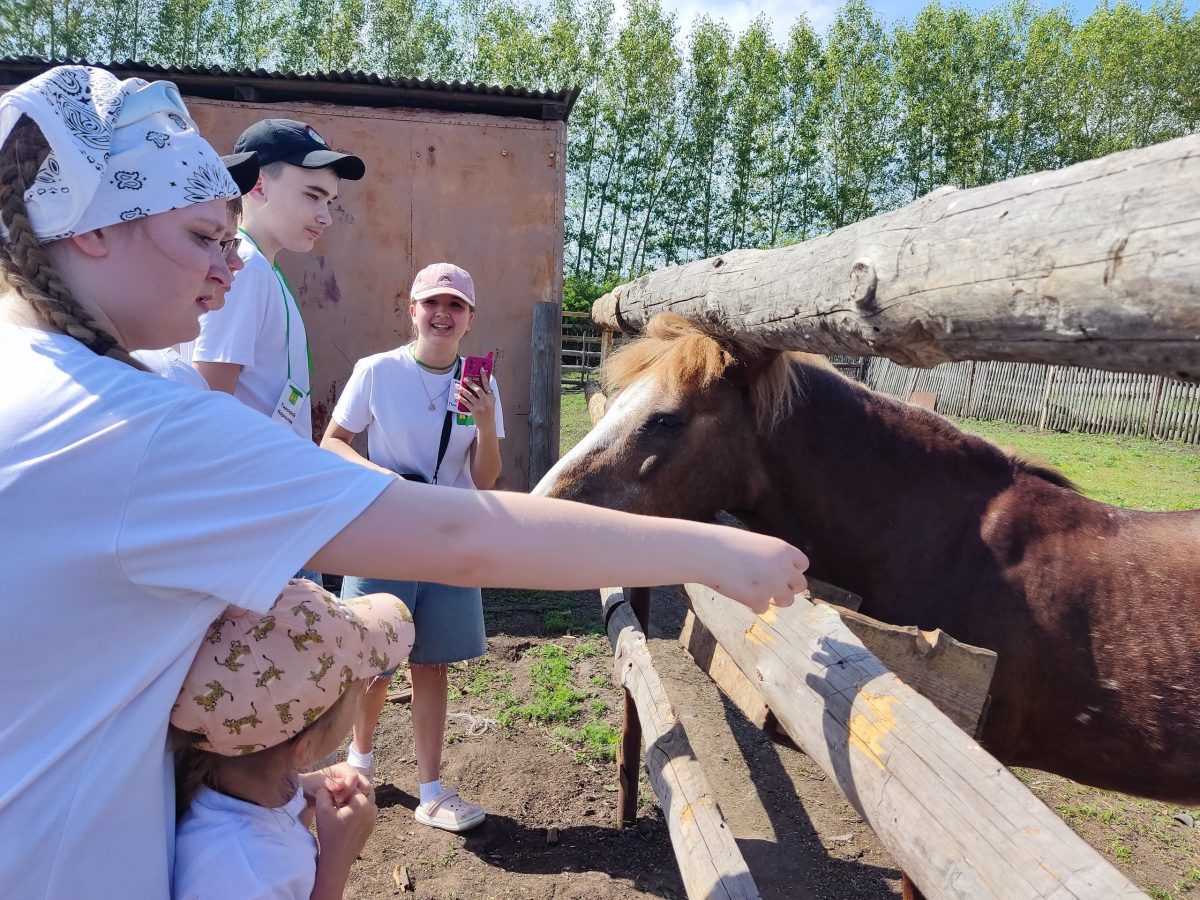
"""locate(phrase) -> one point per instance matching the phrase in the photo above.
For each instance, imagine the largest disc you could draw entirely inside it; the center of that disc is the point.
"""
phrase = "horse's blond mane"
(682, 353)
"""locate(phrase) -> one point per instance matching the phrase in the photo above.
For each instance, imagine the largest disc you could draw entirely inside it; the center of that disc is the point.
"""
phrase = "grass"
(577, 714)
(575, 421)
(1124, 470)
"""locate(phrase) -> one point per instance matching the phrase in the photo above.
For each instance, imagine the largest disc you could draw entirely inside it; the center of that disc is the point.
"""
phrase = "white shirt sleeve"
(229, 334)
(255, 506)
(499, 409)
(353, 408)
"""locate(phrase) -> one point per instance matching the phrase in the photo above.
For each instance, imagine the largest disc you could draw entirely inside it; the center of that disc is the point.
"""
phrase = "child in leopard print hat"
(267, 697)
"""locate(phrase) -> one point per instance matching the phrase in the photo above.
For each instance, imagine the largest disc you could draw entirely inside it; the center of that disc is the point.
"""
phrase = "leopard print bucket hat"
(259, 679)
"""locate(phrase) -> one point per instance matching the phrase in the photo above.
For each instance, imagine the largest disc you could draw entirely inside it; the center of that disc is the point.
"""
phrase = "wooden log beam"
(1097, 265)
(957, 821)
(710, 862)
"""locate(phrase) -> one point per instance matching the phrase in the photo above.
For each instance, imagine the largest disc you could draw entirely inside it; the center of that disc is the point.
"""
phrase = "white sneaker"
(450, 812)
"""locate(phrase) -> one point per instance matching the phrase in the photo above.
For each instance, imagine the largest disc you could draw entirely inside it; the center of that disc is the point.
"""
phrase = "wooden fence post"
(966, 407)
(544, 390)
(1050, 370)
(1152, 415)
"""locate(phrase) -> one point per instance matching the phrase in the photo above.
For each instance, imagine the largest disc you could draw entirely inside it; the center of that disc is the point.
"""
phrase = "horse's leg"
(908, 890)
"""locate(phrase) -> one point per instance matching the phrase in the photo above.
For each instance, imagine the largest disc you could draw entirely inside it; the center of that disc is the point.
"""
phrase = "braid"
(23, 260)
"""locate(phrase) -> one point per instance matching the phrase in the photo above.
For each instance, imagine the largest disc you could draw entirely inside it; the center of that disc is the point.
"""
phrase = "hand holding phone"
(477, 369)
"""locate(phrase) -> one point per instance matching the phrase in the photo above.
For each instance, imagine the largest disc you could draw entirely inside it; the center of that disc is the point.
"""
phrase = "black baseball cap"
(289, 141)
(243, 169)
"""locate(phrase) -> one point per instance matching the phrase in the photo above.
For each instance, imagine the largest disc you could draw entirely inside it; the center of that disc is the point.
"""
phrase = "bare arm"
(337, 440)
(220, 376)
(499, 539)
(485, 449)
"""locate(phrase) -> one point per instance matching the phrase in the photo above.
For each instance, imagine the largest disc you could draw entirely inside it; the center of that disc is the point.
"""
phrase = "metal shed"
(465, 173)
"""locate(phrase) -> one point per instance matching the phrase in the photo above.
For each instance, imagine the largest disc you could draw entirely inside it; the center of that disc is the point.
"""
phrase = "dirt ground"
(799, 836)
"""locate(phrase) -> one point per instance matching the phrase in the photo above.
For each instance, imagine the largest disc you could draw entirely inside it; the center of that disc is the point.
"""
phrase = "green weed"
(599, 741)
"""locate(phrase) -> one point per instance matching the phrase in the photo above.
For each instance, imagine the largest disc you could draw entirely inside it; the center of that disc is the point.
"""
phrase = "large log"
(1094, 265)
(710, 862)
(957, 821)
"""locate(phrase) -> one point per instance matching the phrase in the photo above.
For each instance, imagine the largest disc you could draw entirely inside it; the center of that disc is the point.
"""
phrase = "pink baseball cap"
(444, 278)
(261, 678)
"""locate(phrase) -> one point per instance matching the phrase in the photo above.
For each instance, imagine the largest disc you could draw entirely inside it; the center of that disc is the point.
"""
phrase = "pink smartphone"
(476, 368)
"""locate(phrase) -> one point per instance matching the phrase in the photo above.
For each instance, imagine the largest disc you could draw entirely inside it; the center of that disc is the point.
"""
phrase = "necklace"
(441, 395)
(440, 370)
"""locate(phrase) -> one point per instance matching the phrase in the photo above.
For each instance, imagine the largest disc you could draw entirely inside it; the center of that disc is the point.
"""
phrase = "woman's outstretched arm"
(499, 539)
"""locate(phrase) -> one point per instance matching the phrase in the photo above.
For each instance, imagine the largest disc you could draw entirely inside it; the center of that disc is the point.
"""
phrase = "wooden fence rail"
(1059, 398)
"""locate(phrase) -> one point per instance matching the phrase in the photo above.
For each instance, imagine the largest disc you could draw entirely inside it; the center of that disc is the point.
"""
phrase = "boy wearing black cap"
(256, 347)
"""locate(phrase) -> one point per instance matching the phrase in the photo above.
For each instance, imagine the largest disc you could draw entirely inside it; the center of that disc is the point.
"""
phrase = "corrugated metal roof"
(348, 88)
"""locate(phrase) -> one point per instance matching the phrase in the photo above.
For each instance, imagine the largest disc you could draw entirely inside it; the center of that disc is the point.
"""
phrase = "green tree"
(410, 39)
(696, 225)
(323, 35)
(794, 153)
(188, 33)
(250, 32)
(858, 96)
(755, 107)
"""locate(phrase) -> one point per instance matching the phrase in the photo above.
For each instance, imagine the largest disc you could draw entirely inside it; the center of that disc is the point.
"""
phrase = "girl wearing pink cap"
(136, 509)
(405, 400)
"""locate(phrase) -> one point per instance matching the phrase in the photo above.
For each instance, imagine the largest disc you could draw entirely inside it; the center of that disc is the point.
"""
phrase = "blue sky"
(783, 13)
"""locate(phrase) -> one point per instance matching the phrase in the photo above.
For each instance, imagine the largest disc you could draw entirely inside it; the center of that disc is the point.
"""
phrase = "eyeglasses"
(230, 247)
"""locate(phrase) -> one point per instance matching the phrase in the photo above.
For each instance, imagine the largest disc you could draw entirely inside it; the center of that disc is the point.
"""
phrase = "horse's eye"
(663, 420)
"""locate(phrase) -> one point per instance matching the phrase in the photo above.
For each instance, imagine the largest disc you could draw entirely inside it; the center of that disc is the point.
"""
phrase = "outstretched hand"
(757, 570)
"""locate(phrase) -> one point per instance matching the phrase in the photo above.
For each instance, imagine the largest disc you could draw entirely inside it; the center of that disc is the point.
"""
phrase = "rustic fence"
(582, 345)
(1059, 398)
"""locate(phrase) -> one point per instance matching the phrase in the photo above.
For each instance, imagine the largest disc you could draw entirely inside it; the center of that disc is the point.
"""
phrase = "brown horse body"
(1094, 611)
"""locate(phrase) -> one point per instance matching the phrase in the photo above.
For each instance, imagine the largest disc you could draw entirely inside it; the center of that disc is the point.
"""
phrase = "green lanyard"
(287, 315)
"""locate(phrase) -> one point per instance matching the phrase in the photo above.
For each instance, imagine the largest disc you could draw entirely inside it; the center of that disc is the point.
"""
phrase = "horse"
(1093, 610)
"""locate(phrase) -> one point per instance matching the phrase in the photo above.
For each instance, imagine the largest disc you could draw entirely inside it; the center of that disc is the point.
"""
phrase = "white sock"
(364, 761)
(430, 790)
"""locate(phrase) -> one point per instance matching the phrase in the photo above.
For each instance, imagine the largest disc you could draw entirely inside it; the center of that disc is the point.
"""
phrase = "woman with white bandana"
(134, 509)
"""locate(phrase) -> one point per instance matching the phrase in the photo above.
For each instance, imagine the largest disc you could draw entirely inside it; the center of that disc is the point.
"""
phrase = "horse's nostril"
(648, 465)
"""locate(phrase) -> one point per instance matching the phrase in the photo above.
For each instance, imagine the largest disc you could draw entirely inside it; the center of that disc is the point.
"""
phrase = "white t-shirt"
(259, 329)
(388, 396)
(132, 511)
(169, 364)
(226, 848)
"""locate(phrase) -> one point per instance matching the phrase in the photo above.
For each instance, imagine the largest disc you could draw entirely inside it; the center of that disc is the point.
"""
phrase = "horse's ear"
(751, 363)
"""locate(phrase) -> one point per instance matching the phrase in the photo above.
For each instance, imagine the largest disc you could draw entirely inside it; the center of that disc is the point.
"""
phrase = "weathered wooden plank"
(1097, 264)
(544, 391)
(710, 862)
(958, 822)
(710, 657)
(954, 676)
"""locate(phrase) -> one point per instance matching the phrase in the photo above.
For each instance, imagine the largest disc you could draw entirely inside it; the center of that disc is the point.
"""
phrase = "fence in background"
(581, 345)
(1058, 398)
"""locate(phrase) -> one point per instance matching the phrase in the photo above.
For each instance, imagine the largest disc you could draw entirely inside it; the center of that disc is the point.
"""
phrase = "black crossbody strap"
(446, 425)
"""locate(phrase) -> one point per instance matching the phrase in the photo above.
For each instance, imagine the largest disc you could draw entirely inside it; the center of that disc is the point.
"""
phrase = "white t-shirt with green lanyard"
(259, 329)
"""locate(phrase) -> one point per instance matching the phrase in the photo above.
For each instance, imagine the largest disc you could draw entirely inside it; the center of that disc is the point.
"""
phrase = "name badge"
(460, 417)
(290, 401)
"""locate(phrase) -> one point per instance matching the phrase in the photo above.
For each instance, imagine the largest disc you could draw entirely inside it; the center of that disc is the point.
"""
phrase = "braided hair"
(24, 263)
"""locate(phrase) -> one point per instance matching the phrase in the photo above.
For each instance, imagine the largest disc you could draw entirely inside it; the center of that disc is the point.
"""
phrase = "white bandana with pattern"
(119, 150)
